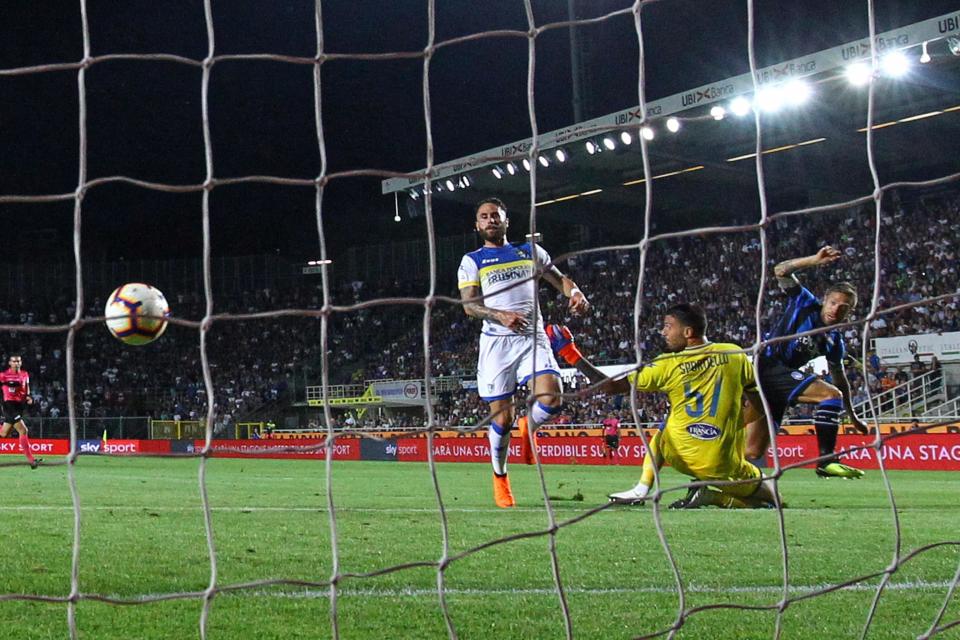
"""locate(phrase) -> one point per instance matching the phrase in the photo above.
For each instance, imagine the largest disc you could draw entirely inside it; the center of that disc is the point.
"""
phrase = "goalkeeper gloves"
(561, 340)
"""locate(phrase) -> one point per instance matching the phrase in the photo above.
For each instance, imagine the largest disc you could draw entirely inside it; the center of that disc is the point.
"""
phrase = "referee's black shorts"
(612, 441)
(13, 411)
(781, 385)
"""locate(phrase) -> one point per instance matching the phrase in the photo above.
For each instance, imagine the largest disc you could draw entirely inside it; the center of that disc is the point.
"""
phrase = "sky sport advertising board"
(915, 451)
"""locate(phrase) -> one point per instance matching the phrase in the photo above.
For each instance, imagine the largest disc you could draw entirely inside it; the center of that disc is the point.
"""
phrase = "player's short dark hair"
(845, 288)
(490, 200)
(690, 315)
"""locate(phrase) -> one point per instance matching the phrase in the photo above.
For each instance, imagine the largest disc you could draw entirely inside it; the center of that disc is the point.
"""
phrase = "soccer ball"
(126, 309)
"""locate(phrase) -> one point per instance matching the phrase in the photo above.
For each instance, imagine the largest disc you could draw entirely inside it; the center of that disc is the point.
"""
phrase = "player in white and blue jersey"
(498, 285)
(779, 367)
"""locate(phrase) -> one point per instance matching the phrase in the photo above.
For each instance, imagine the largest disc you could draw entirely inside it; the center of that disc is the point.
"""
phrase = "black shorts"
(13, 411)
(781, 385)
(612, 441)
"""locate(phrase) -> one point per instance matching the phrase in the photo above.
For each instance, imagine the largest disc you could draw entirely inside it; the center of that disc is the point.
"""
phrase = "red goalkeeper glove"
(561, 341)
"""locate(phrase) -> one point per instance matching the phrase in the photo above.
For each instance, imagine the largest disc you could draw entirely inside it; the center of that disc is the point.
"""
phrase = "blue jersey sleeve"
(801, 297)
(836, 349)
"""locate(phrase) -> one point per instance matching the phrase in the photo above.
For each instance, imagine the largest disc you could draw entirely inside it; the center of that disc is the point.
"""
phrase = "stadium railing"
(315, 392)
(88, 428)
(945, 411)
(915, 397)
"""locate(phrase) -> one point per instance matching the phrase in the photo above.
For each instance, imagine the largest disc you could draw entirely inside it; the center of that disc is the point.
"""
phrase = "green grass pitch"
(142, 533)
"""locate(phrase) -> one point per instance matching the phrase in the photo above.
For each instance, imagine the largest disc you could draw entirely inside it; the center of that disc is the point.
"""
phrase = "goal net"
(728, 265)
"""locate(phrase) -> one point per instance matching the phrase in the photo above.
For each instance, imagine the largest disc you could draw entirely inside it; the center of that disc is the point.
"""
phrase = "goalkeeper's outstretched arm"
(561, 340)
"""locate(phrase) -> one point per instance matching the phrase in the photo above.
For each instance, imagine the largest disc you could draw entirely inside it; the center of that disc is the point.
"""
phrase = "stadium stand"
(918, 259)
(258, 364)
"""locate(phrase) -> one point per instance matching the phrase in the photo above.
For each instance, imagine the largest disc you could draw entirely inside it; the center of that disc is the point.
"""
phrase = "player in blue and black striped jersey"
(778, 371)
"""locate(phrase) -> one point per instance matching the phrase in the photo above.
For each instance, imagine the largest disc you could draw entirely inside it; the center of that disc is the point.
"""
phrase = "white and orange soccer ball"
(137, 313)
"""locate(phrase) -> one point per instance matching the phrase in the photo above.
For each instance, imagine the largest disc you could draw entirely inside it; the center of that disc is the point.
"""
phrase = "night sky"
(144, 117)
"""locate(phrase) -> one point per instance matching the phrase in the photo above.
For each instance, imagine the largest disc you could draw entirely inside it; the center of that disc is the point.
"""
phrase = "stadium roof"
(814, 153)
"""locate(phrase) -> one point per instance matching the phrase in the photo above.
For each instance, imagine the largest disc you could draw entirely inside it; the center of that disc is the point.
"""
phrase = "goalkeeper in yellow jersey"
(703, 436)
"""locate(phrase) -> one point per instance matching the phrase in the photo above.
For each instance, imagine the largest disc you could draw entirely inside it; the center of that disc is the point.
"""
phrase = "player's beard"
(672, 348)
(495, 235)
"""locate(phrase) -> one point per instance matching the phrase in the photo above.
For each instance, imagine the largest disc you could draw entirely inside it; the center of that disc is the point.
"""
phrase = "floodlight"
(769, 99)
(925, 56)
(673, 125)
(497, 173)
(560, 155)
(526, 164)
(647, 133)
(450, 185)
(895, 64)
(543, 161)
(718, 112)
(591, 146)
(796, 92)
(609, 144)
(740, 106)
(859, 74)
(511, 168)
(953, 44)
(625, 137)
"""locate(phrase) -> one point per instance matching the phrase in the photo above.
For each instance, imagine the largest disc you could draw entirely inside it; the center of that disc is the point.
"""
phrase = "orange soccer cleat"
(526, 449)
(501, 492)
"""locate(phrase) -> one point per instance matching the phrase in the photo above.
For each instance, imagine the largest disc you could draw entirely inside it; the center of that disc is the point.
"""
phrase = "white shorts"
(506, 361)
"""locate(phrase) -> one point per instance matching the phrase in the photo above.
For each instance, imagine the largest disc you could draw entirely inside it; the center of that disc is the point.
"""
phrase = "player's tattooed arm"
(785, 270)
(473, 306)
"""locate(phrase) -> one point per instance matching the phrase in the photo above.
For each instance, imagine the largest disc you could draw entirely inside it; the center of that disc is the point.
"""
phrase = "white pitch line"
(322, 508)
(317, 594)
(318, 508)
(421, 593)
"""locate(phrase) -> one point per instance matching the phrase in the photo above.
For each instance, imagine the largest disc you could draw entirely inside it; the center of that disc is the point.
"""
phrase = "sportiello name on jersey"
(499, 272)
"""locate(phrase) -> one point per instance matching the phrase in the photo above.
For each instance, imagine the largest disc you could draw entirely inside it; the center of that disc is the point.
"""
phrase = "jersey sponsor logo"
(796, 375)
(488, 260)
(505, 275)
(703, 431)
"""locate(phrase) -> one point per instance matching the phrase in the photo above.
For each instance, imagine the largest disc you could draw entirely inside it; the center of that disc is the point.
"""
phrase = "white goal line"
(586, 506)
(919, 585)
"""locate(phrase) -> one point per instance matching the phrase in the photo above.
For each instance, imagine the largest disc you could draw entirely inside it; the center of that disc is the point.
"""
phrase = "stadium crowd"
(256, 364)
(918, 259)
